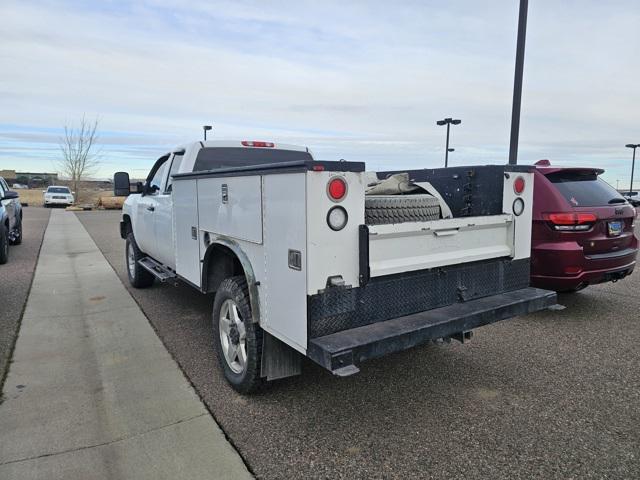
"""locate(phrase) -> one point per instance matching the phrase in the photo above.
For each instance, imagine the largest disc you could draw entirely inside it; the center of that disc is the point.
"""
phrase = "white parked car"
(57, 195)
(322, 259)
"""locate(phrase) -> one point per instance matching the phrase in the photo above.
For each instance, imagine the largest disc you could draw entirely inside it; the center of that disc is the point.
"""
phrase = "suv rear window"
(58, 190)
(225, 157)
(585, 189)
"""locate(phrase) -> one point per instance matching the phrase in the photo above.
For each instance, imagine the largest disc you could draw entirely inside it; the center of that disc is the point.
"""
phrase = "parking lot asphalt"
(15, 280)
(555, 394)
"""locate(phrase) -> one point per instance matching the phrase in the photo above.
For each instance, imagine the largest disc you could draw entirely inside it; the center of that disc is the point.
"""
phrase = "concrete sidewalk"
(92, 392)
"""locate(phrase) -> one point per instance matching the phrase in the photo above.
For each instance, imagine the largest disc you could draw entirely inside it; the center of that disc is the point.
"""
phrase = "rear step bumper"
(342, 352)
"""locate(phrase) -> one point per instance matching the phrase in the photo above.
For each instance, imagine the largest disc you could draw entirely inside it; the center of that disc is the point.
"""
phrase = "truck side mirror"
(140, 187)
(121, 185)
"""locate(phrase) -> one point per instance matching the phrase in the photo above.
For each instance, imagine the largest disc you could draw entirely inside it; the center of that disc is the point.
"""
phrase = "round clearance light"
(518, 207)
(337, 218)
(518, 185)
(337, 188)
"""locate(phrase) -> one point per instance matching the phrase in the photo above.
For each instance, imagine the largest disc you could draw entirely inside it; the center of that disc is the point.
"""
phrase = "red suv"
(582, 229)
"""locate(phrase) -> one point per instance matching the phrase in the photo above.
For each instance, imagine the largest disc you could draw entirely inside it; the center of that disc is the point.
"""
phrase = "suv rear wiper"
(617, 200)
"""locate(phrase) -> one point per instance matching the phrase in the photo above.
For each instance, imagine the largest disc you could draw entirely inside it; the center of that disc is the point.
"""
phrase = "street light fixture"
(448, 122)
(206, 128)
(633, 162)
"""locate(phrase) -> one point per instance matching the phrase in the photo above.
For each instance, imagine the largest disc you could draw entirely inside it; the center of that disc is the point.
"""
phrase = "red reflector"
(572, 270)
(571, 218)
(247, 143)
(337, 188)
(318, 168)
(518, 185)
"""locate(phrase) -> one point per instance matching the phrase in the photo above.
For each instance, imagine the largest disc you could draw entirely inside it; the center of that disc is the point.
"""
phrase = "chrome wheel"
(233, 337)
(131, 260)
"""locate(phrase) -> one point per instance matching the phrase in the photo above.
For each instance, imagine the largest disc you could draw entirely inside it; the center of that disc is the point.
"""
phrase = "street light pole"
(446, 152)
(633, 162)
(517, 82)
(206, 128)
(448, 122)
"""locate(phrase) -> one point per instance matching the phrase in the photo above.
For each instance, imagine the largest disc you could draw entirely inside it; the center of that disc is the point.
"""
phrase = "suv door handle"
(151, 208)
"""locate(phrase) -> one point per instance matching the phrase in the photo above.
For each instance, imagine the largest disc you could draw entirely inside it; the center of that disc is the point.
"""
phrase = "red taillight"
(570, 221)
(337, 188)
(247, 143)
(518, 185)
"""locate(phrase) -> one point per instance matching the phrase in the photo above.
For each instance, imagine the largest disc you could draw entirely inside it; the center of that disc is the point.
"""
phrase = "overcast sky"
(354, 80)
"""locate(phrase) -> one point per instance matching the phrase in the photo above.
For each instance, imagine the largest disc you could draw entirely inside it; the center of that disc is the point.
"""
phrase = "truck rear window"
(584, 189)
(226, 157)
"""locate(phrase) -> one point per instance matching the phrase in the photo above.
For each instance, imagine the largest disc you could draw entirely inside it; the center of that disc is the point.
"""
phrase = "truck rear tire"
(139, 277)
(238, 339)
(4, 244)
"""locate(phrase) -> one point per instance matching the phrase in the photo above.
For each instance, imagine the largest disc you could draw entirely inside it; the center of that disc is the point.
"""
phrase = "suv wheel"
(4, 244)
(17, 234)
(238, 340)
(139, 277)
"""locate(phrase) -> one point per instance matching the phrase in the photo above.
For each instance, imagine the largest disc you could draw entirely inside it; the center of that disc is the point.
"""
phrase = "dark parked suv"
(10, 220)
(582, 229)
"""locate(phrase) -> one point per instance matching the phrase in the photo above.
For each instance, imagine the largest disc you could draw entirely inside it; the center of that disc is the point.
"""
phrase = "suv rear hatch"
(602, 220)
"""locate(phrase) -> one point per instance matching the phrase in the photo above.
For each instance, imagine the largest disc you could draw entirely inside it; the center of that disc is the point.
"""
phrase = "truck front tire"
(238, 339)
(139, 277)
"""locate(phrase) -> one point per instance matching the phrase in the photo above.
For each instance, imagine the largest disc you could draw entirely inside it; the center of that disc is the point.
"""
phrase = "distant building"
(33, 179)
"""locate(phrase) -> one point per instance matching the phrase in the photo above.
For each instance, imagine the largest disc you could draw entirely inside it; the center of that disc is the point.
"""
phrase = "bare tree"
(79, 155)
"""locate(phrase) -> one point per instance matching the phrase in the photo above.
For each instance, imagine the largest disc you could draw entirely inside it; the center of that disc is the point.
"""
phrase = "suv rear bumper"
(590, 277)
(596, 268)
(342, 352)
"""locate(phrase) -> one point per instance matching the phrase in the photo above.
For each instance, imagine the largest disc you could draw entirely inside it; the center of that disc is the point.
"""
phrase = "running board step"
(156, 269)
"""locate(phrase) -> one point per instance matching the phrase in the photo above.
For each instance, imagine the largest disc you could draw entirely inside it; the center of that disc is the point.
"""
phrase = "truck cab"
(326, 260)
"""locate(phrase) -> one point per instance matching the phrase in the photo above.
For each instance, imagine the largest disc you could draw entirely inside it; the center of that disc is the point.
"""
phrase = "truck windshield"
(225, 157)
(58, 190)
(584, 189)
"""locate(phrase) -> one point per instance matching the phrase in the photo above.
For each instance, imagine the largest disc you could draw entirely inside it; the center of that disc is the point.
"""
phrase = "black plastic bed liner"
(341, 352)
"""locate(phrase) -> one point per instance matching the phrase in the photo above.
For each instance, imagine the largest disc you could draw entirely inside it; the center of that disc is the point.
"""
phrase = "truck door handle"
(151, 208)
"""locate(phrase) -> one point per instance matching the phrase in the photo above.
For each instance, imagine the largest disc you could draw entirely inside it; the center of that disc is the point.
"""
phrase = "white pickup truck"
(324, 260)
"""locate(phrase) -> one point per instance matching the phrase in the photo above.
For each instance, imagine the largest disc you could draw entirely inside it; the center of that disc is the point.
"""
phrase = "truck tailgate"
(342, 352)
(417, 246)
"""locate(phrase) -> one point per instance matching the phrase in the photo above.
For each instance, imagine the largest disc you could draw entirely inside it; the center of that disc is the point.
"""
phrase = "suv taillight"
(571, 222)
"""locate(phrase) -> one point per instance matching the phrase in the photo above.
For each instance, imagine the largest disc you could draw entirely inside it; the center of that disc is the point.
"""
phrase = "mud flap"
(279, 360)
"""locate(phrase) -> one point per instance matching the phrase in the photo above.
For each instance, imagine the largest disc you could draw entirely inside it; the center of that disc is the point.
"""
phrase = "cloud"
(356, 80)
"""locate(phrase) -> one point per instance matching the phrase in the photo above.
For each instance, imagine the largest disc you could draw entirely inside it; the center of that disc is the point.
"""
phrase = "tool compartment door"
(231, 206)
(185, 230)
(406, 247)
